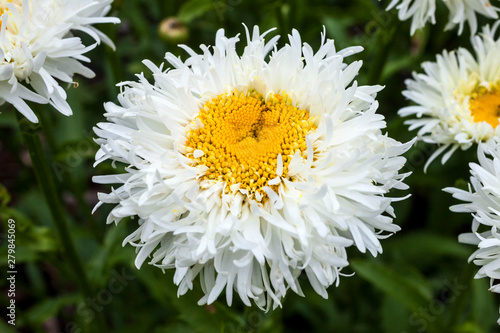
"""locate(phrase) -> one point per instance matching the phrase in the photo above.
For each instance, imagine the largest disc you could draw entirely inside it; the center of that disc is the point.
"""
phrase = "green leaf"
(34, 238)
(461, 184)
(193, 9)
(484, 307)
(6, 328)
(30, 236)
(393, 283)
(395, 66)
(77, 151)
(321, 313)
(100, 263)
(415, 278)
(174, 328)
(4, 196)
(469, 327)
(46, 309)
(23, 255)
(426, 247)
(203, 319)
(395, 318)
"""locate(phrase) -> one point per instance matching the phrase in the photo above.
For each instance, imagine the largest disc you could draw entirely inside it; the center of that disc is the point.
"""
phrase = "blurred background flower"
(458, 98)
(39, 50)
(482, 200)
(460, 11)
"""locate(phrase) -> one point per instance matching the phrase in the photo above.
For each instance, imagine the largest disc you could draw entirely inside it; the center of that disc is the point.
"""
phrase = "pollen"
(243, 135)
(485, 105)
(4, 9)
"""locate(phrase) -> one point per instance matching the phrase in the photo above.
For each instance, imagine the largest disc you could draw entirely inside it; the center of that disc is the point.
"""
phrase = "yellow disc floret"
(485, 105)
(243, 135)
(4, 9)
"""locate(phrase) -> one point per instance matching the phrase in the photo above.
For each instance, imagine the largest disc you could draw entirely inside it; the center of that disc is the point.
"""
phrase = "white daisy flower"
(248, 171)
(483, 200)
(458, 98)
(422, 11)
(38, 50)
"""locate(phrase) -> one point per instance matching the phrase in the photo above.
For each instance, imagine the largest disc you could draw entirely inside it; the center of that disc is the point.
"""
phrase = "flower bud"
(171, 30)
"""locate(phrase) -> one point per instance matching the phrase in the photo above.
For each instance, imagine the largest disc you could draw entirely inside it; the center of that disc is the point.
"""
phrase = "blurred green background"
(421, 283)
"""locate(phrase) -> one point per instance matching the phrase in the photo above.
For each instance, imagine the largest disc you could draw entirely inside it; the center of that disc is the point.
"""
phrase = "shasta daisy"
(457, 99)
(423, 11)
(482, 200)
(247, 170)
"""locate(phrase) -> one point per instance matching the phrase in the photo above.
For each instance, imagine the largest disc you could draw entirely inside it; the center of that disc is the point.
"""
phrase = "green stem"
(458, 306)
(113, 68)
(31, 138)
(84, 208)
(72, 185)
(384, 45)
(49, 133)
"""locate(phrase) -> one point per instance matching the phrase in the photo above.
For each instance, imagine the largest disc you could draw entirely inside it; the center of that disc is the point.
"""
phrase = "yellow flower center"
(4, 9)
(485, 105)
(242, 136)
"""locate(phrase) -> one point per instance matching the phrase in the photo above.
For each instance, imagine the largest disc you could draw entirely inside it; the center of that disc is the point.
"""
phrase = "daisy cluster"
(457, 105)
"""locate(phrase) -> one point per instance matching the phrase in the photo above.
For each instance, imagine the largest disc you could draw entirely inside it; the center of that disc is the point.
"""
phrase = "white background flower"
(423, 11)
(38, 49)
(445, 95)
(482, 199)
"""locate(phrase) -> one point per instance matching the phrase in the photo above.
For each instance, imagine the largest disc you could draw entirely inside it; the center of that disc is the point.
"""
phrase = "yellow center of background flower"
(485, 105)
(4, 9)
(242, 136)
